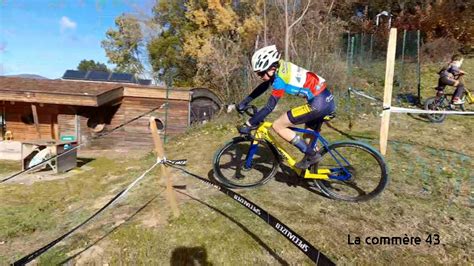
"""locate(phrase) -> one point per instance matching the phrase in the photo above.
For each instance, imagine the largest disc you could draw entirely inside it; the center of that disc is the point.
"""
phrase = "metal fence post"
(350, 81)
(348, 49)
(361, 50)
(402, 76)
(418, 69)
(371, 46)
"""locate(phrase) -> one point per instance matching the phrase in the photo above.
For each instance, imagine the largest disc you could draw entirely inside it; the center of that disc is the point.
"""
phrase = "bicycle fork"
(249, 157)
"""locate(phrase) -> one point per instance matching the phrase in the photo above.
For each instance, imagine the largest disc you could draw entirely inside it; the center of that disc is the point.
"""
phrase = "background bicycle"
(442, 102)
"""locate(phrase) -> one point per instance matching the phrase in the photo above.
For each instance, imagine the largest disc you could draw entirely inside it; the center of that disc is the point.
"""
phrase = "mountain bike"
(441, 103)
(348, 170)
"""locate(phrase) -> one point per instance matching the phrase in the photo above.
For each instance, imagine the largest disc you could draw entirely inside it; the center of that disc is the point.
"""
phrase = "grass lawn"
(8, 167)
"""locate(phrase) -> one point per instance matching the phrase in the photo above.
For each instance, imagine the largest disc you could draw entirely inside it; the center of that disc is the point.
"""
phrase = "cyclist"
(447, 77)
(289, 78)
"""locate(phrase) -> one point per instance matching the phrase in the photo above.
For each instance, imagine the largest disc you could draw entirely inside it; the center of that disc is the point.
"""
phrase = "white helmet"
(264, 57)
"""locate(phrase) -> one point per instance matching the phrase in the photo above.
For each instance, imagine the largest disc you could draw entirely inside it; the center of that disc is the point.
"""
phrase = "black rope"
(76, 147)
(46, 247)
(309, 250)
(112, 230)
(128, 122)
(43, 249)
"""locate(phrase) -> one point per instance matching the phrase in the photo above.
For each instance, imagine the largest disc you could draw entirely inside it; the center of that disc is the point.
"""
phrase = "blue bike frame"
(339, 173)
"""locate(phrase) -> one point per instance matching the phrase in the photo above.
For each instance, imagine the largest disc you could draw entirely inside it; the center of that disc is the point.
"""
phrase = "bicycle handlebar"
(250, 110)
(460, 75)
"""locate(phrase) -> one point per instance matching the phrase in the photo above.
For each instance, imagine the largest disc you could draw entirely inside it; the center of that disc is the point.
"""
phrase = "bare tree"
(265, 23)
(289, 27)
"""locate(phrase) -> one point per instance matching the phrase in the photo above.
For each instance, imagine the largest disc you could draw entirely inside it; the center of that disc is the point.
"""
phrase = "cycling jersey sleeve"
(259, 90)
(262, 113)
(278, 87)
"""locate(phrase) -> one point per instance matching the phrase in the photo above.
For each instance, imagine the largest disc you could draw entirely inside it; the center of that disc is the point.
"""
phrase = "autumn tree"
(221, 42)
(166, 52)
(87, 65)
(449, 19)
(123, 46)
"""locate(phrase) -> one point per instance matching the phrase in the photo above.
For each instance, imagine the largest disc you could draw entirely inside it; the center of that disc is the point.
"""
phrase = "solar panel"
(74, 74)
(122, 77)
(146, 82)
(98, 75)
(105, 76)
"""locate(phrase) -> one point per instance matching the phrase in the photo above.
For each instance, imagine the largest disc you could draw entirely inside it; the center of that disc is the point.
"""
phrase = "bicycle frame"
(469, 97)
(340, 173)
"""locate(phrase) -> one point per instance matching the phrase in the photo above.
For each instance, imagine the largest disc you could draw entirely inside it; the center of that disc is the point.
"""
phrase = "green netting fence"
(366, 57)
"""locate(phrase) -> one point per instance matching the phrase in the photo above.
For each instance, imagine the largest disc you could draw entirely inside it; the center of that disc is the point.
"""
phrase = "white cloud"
(67, 23)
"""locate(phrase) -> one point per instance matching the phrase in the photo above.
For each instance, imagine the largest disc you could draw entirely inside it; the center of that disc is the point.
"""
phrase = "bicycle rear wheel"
(233, 168)
(436, 104)
(366, 167)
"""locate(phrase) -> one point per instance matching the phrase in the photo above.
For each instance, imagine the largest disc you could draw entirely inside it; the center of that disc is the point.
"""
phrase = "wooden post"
(54, 126)
(36, 120)
(387, 96)
(160, 152)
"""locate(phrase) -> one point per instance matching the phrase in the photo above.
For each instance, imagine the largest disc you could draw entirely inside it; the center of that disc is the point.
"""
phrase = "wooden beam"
(157, 93)
(160, 152)
(49, 98)
(387, 96)
(114, 95)
(36, 120)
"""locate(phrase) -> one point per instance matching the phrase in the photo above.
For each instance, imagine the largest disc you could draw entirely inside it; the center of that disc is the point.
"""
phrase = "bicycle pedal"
(324, 171)
(321, 174)
(316, 176)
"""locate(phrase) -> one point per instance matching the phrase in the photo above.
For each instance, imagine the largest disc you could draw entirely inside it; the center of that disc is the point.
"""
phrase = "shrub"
(440, 49)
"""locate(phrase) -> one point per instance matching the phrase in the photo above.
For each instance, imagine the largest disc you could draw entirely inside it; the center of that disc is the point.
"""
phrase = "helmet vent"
(265, 57)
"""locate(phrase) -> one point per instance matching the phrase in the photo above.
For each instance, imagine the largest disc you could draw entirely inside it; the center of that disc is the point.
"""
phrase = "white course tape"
(360, 93)
(420, 111)
(136, 181)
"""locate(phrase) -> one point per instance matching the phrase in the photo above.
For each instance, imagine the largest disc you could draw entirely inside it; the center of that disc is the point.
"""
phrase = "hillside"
(430, 192)
(28, 76)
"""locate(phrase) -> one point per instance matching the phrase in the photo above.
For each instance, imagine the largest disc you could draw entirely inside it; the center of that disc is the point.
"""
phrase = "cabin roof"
(80, 93)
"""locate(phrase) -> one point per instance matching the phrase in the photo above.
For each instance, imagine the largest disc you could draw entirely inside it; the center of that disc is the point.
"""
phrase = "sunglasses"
(261, 74)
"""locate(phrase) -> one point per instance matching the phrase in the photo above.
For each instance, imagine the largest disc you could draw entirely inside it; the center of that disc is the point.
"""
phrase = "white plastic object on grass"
(41, 156)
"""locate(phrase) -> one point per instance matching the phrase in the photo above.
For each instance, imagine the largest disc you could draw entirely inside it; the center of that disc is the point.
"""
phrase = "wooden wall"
(136, 135)
(2, 117)
(60, 120)
(16, 114)
(67, 124)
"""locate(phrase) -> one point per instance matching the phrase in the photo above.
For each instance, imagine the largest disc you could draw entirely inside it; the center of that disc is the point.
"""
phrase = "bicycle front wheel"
(436, 104)
(366, 168)
(245, 163)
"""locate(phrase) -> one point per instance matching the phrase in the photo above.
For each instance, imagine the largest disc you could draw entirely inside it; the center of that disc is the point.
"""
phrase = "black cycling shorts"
(313, 114)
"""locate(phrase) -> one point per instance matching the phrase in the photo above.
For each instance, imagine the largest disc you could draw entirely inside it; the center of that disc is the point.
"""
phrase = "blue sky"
(46, 37)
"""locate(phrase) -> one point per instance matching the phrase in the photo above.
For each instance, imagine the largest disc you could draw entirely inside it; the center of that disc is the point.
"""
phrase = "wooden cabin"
(80, 110)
